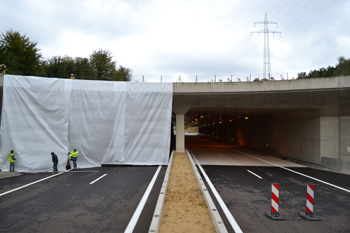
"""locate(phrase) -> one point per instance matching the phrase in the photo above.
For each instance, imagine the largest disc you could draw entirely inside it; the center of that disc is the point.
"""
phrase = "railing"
(202, 78)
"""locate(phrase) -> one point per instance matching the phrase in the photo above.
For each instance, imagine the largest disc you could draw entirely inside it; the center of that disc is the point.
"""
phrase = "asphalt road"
(249, 197)
(69, 203)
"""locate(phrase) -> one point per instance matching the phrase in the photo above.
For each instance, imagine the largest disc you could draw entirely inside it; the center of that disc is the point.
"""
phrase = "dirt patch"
(184, 208)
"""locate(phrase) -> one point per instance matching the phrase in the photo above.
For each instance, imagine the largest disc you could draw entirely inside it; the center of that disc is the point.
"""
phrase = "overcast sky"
(188, 37)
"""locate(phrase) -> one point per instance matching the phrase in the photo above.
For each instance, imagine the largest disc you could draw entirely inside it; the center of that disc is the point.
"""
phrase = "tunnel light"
(230, 120)
(195, 119)
(220, 122)
(246, 118)
(202, 116)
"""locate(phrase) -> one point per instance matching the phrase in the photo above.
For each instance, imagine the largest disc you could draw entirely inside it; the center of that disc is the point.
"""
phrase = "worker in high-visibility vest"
(12, 160)
(72, 76)
(74, 156)
(3, 69)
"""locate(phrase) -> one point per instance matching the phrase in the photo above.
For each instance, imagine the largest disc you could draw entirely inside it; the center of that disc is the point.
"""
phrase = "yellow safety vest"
(73, 154)
(11, 155)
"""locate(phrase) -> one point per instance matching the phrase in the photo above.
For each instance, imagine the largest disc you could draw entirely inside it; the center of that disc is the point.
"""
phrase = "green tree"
(301, 75)
(59, 67)
(102, 65)
(82, 68)
(343, 67)
(19, 54)
(123, 74)
(313, 74)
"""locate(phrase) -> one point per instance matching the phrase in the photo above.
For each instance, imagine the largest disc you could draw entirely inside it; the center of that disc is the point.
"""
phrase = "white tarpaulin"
(107, 122)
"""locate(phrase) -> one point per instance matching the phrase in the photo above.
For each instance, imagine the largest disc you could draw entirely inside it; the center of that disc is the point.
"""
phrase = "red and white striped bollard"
(274, 214)
(309, 213)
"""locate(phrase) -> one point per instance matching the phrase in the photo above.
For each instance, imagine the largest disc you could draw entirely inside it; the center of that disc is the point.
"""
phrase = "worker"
(12, 160)
(72, 76)
(74, 156)
(3, 69)
(55, 162)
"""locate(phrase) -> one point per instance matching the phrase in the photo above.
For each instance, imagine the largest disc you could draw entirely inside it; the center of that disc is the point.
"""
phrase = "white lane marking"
(255, 174)
(137, 213)
(310, 177)
(98, 178)
(221, 155)
(227, 212)
(10, 191)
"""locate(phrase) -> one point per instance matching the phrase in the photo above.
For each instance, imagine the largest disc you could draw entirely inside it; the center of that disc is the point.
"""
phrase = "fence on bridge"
(206, 78)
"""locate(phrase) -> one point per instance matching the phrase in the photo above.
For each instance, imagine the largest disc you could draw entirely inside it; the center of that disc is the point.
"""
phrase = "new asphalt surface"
(248, 197)
(69, 203)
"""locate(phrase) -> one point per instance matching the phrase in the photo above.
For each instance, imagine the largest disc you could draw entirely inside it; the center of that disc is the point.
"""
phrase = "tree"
(59, 67)
(301, 75)
(82, 68)
(313, 74)
(19, 54)
(343, 68)
(103, 68)
(123, 74)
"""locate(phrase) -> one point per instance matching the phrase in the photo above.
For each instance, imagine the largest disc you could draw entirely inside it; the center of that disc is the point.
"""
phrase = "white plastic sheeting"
(107, 122)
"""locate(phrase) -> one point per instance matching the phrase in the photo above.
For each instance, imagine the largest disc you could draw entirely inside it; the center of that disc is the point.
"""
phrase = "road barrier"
(274, 214)
(309, 213)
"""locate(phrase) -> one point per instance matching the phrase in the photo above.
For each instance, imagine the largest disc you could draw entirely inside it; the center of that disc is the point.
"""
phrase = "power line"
(311, 16)
(290, 10)
(275, 7)
(245, 54)
(279, 10)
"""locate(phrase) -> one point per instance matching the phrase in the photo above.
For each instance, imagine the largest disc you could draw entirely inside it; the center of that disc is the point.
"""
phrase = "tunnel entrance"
(275, 131)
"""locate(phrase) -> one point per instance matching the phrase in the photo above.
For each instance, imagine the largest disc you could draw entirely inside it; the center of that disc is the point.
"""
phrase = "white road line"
(255, 174)
(227, 212)
(24, 186)
(310, 177)
(221, 155)
(98, 178)
(137, 213)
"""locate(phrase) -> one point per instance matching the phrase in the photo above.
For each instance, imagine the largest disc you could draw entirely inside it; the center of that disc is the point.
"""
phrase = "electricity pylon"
(266, 31)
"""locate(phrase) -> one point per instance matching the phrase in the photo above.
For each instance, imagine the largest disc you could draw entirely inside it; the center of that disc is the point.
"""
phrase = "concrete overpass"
(306, 119)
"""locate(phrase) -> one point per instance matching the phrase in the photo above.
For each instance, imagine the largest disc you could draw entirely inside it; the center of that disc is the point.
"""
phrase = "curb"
(154, 227)
(217, 220)
(4, 175)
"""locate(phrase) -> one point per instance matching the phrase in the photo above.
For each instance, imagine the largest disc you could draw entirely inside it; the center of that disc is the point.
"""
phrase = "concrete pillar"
(180, 133)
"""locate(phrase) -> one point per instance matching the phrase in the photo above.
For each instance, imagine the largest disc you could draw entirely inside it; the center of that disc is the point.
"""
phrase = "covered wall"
(107, 122)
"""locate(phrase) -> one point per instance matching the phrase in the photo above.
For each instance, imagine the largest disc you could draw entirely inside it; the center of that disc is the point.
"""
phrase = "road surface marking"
(221, 155)
(2, 194)
(137, 213)
(227, 212)
(310, 177)
(98, 178)
(255, 174)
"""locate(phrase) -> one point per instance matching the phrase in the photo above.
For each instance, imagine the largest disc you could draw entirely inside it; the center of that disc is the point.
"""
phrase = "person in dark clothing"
(55, 162)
